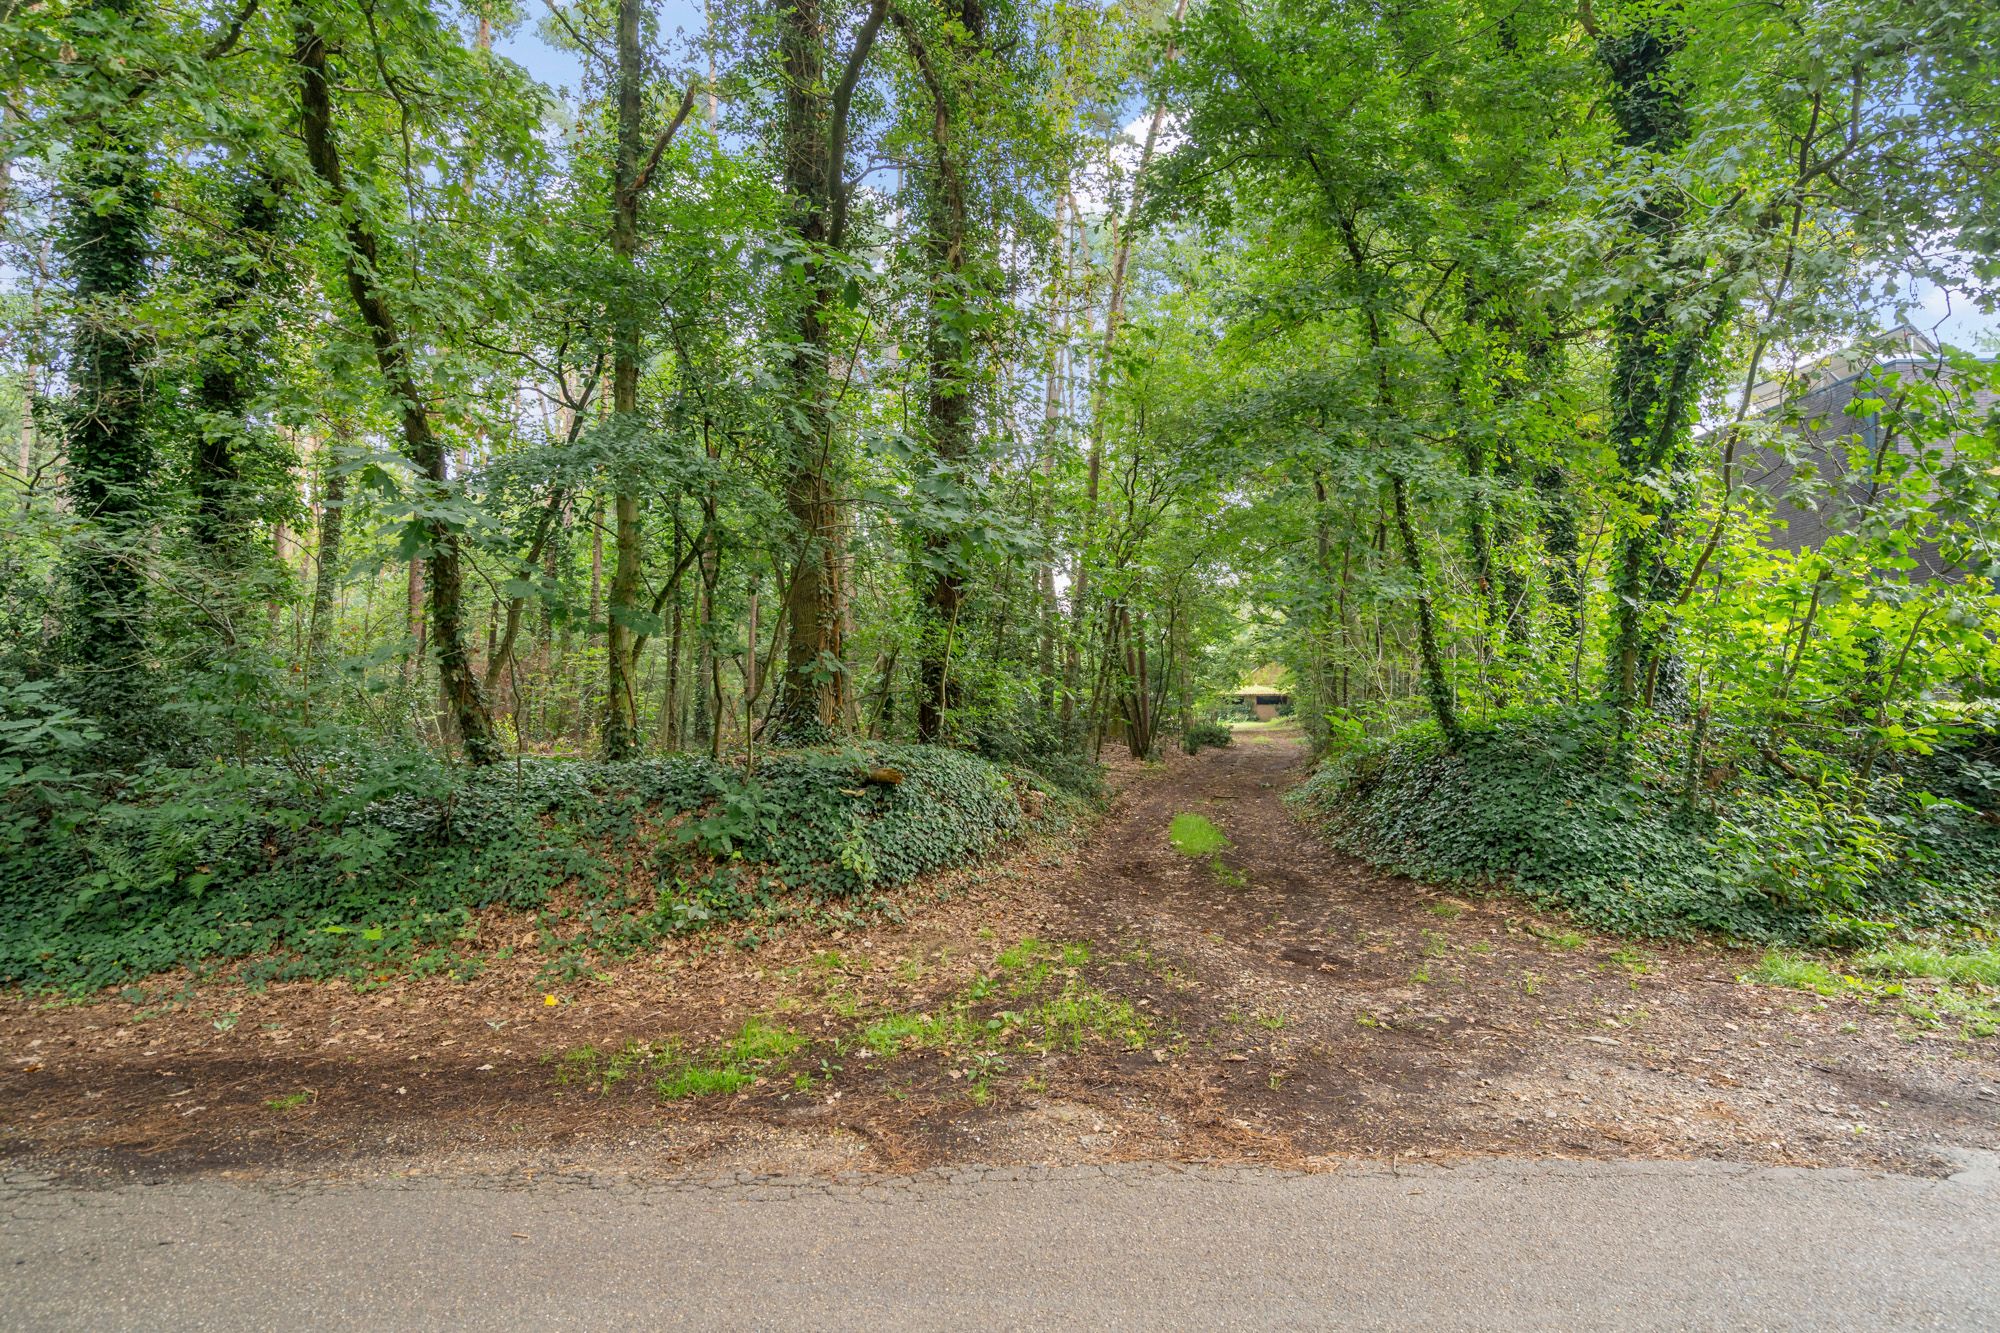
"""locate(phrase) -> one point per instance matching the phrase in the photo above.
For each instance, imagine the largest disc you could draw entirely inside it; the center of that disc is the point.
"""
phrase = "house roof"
(1813, 490)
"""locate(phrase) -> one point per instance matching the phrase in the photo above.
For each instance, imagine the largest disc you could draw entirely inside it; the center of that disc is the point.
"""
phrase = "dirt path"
(1289, 1006)
(1332, 1009)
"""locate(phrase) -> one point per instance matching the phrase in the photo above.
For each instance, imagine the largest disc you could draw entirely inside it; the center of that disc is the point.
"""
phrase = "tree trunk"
(814, 141)
(1653, 354)
(621, 724)
(948, 398)
(1437, 686)
(362, 261)
(326, 571)
(106, 192)
(232, 367)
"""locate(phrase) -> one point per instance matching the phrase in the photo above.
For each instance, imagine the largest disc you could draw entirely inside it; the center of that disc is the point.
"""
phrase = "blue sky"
(564, 69)
(1941, 314)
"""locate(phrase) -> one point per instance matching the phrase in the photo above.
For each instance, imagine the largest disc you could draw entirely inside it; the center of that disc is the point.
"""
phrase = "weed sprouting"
(1958, 996)
(1195, 835)
(1632, 960)
(729, 1066)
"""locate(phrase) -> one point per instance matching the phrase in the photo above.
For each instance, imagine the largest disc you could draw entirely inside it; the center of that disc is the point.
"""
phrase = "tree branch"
(836, 134)
(227, 41)
(645, 176)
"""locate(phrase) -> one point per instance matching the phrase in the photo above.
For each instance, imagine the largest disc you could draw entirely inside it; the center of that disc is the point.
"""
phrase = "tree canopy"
(1012, 375)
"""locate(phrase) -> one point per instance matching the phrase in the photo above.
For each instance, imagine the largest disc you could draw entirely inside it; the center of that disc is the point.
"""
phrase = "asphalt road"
(1493, 1245)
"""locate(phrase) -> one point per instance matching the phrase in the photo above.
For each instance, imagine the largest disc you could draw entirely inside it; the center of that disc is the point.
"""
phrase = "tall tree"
(629, 180)
(107, 199)
(361, 261)
(234, 367)
(1655, 348)
(813, 152)
(950, 303)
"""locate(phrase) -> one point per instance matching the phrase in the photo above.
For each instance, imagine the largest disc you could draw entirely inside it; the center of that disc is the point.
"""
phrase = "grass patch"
(758, 1047)
(1960, 992)
(1979, 967)
(900, 1032)
(1195, 835)
(1778, 968)
(1035, 1002)
(291, 1101)
(1632, 960)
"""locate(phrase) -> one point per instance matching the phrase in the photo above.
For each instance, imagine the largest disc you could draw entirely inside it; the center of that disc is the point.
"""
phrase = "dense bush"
(341, 866)
(1550, 804)
(1198, 734)
(1033, 739)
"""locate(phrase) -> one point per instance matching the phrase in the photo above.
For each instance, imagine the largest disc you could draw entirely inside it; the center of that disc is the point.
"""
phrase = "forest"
(792, 458)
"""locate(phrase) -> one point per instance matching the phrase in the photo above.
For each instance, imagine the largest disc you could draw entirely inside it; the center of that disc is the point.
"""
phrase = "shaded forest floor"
(1109, 1000)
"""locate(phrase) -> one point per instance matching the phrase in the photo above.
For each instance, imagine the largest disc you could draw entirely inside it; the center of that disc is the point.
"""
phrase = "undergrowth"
(1034, 1001)
(1197, 836)
(1962, 993)
(1212, 734)
(365, 864)
(1550, 804)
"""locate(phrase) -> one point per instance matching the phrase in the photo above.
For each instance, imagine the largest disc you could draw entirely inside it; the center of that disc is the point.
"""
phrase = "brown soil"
(1314, 1008)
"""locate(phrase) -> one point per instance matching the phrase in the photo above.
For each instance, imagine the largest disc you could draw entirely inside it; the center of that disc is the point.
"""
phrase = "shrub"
(1198, 734)
(366, 859)
(1544, 801)
(1033, 740)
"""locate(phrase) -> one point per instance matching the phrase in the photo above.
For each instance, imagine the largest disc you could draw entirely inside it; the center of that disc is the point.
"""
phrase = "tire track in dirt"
(1327, 1008)
(1305, 1007)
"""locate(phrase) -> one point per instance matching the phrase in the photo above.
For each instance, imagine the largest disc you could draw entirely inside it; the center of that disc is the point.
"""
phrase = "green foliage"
(367, 859)
(1195, 835)
(1553, 805)
(1212, 734)
(1961, 995)
(1035, 743)
(758, 1048)
(1383, 368)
